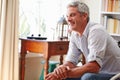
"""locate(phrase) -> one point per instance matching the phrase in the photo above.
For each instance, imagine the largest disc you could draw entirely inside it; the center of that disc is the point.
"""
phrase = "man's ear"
(85, 15)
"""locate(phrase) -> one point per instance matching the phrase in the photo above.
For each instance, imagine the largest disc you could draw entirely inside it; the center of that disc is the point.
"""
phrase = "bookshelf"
(110, 17)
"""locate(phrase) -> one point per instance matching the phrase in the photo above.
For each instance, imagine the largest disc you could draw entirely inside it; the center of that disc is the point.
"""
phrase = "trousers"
(93, 76)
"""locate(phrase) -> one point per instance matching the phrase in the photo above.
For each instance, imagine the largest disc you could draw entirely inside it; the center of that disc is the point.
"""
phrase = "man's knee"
(88, 76)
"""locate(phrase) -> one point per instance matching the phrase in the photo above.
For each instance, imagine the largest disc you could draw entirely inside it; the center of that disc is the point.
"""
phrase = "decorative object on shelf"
(62, 29)
(37, 37)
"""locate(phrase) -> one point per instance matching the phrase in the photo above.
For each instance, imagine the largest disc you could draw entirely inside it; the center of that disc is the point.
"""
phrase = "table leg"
(46, 66)
(22, 66)
(61, 59)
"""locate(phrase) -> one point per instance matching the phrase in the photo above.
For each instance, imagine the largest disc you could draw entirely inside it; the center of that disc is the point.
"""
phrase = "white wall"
(95, 8)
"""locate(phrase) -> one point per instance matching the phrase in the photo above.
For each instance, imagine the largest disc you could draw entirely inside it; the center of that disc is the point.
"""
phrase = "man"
(101, 51)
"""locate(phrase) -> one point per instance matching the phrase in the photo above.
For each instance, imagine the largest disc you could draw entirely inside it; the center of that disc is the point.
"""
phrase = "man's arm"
(69, 64)
(69, 70)
(91, 67)
(60, 72)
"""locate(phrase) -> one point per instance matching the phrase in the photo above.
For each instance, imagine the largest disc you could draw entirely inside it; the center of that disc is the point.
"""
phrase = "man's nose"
(68, 18)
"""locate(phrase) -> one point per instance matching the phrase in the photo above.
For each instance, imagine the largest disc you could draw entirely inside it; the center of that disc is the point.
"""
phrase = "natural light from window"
(40, 17)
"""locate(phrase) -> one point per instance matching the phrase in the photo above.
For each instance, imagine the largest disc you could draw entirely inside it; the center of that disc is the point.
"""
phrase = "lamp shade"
(62, 20)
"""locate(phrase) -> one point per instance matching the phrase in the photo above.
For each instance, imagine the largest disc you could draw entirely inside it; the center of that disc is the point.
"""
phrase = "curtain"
(9, 62)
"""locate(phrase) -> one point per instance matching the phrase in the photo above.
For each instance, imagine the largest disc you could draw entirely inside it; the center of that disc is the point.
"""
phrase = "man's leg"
(99, 76)
(73, 79)
(93, 76)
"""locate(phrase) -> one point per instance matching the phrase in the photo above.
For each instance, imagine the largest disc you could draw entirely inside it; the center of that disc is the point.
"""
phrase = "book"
(105, 5)
(117, 5)
(114, 5)
(110, 5)
(110, 25)
(113, 25)
(118, 27)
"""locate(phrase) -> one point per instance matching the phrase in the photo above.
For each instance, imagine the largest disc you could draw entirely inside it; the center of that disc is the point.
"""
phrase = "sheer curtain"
(9, 63)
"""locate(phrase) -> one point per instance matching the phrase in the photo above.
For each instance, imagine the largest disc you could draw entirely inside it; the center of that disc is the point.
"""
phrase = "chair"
(116, 77)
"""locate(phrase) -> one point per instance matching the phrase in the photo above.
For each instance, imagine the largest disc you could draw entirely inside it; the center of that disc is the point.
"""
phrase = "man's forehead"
(72, 9)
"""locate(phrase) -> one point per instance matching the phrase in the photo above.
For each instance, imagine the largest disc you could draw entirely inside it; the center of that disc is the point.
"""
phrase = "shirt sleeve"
(97, 42)
(73, 53)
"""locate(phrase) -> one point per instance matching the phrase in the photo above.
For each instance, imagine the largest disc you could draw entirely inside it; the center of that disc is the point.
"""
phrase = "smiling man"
(101, 51)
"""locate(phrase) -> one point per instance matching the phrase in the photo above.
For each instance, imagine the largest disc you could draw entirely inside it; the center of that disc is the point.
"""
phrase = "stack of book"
(112, 5)
(113, 25)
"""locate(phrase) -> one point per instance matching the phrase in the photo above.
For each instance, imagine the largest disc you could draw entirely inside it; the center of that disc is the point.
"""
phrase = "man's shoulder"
(95, 26)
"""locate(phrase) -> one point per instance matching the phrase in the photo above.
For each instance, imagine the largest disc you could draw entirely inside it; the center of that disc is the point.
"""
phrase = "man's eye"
(72, 15)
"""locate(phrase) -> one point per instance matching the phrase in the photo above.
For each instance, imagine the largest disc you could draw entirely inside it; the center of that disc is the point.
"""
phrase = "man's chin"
(72, 28)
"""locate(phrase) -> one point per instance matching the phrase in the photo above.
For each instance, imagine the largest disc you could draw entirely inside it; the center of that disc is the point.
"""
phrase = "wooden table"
(47, 48)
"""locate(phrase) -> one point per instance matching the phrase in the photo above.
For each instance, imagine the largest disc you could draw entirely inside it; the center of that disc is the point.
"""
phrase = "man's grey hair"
(82, 7)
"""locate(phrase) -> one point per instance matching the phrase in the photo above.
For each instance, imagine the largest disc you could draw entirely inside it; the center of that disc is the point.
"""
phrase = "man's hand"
(61, 71)
(51, 76)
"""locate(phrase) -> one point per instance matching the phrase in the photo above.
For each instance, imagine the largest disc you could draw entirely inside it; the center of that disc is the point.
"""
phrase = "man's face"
(74, 18)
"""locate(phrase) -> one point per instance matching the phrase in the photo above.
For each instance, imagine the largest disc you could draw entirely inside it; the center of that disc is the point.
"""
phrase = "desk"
(47, 48)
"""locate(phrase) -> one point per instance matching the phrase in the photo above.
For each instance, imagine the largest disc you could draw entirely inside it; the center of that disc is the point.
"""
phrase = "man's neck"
(82, 28)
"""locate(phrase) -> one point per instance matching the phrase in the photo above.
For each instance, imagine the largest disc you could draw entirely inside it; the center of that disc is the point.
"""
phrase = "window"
(40, 17)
